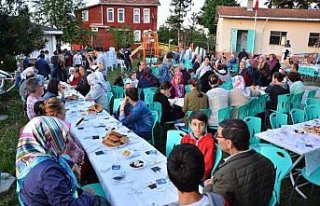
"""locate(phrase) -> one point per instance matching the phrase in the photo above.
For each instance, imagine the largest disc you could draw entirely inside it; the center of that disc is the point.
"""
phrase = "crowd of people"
(47, 147)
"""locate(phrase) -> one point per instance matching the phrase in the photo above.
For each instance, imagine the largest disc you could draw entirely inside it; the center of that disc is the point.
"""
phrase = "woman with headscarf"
(264, 72)
(240, 94)
(44, 176)
(97, 92)
(177, 85)
(147, 79)
(274, 64)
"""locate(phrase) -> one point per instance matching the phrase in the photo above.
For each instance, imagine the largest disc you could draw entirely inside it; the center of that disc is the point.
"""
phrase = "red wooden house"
(138, 15)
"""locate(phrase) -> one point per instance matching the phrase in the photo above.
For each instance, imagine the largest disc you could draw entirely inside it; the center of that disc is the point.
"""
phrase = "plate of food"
(115, 139)
(137, 164)
(127, 153)
(95, 108)
(72, 97)
(312, 129)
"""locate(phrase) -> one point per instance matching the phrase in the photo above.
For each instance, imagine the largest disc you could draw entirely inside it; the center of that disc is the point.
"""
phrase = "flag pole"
(254, 31)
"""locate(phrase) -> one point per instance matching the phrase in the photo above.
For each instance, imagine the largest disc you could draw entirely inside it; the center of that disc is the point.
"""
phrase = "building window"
(121, 15)
(314, 40)
(137, 35)
(110, 15)
(146, 16)
(94, 29)
(136, 16)
(85, 15)
(278, 37)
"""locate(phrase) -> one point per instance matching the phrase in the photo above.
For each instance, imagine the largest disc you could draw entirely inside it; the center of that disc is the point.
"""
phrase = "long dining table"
(123, 182)
(297, 139)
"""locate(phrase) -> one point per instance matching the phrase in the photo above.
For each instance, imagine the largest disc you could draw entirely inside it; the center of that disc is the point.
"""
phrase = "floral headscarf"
(239, 83)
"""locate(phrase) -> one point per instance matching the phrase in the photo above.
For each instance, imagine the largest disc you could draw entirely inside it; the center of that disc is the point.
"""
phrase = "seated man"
(246, 177)
(186, 170)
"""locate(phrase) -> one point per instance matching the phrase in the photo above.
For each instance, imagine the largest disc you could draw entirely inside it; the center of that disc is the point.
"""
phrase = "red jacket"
(75, 81)
(206, 146)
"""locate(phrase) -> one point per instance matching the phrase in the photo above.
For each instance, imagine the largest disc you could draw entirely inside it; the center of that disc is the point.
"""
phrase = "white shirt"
(204, 201)
(77, 59)
(218, 98)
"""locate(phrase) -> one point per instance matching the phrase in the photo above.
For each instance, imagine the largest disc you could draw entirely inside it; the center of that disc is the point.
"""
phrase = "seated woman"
(240, 94)
(76, 77)
(276, 88)
(54, 87)
(169, 113)
(202, 139)
(97, 92)
(195, 99)
(218, 98)
(297, 85)
(55, 108)
(177, 85)
(35, 91)
(147, 79)
(83, 87)
(44, 176)
(139, 119)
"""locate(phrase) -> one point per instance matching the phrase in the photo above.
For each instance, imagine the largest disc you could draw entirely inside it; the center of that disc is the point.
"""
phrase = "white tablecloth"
(134, 189)
(177, 101)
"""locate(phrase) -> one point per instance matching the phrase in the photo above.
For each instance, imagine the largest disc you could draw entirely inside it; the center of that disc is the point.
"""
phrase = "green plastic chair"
(157, 107)
(253, 107)
(187, 88)
(227, 85)
(187, 64)
(109, 98)
(225, 113)
(217, 158)
(283, 105)
(254, 126)
(149, 89)
(297, 116)
(282, 163)
(277, 119)
(296, 100)
(261, 104)
(310, 101)
(173, 138)
(312, 111)
(243, 110)
(155, 71)
(155, 120)
(234, 68)
(118, 92)
(148, 61)
(312, 93)
(148, 97)
(116, 104)
(96, 189)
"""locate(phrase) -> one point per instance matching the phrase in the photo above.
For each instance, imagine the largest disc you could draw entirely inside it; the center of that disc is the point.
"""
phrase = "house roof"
(128, 2)
(271, 14)
(51, 30)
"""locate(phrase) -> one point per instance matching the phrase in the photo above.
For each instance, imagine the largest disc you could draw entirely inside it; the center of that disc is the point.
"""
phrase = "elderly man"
(246, 177)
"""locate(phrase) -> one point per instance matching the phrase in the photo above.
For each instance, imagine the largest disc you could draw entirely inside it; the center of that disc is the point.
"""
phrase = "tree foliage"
(292, 4)
(61, 14)
(18, 34)
(208, 12)
(122, 36)
(179, 11)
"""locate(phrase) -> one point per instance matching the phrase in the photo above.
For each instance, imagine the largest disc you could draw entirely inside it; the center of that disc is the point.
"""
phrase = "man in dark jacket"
(42, 66)
(246, 177)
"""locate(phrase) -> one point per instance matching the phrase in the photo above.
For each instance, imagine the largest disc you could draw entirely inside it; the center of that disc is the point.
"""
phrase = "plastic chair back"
(224, 113)
(217, 158)
(116, 104)
(284, 103)
(118, 92)
(109, 98)
(277, 119)
(297, 116)
(254, 126)
(187, 88)
(148, 97)
(261, 104)
(157, 107)
(253, 106)
(312, 111)
(243, 111)
(173, 138)
(296, 100)
(149, 89)
(148, 61)
(155, 120)
(155, 71)
(312, 93)
(310, 101)
(281, 161)
(227, 85)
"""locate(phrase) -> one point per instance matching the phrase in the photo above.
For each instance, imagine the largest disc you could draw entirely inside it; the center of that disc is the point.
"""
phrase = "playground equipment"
(150, 42)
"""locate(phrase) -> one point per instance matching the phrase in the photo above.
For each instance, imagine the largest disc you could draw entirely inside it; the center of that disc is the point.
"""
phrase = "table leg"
(292, 178)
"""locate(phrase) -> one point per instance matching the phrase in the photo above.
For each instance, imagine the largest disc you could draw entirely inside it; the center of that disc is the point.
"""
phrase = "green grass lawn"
(10, 104)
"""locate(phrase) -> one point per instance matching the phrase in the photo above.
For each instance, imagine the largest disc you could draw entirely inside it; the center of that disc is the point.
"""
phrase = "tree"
(61, 14)
(18, 34)
(208, 13)
(176, 19)
(165, 33)
(122, 37)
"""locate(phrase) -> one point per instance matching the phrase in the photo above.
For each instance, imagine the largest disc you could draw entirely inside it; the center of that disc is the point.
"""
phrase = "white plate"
(140, 164)
(127, 153)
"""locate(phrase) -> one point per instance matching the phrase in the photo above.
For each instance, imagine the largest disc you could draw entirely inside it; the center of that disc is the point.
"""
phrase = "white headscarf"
(239, 83)
(92, 79)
